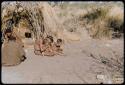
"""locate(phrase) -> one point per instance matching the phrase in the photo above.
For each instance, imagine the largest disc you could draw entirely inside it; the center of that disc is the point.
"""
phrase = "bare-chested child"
(38, 46)
(48, 49)
(57, 46)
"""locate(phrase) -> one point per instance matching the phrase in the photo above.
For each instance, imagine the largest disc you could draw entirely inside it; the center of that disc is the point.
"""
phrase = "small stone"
(104, 62)
(101, 77)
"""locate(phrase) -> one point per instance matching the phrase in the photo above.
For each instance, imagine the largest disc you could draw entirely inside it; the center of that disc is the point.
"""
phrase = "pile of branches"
(40, 16)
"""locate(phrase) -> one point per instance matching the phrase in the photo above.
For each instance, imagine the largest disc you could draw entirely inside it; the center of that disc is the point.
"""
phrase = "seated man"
(12, 53)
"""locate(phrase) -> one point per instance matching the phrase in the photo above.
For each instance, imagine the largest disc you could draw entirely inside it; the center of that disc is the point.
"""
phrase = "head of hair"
(8, 31)
(11, 38)
(44, 41)
(50, 37)
(59, 40)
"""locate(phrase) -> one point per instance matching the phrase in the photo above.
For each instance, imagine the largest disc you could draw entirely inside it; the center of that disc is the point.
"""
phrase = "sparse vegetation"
(103, 25)
(93, 15)
(94, 25)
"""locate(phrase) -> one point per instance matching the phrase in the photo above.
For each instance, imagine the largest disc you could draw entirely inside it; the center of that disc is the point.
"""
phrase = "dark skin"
(59, 44)
(49, 48)
(42, 46)
(38, 46)
(57, 47)
(48, 51)
(9, 34)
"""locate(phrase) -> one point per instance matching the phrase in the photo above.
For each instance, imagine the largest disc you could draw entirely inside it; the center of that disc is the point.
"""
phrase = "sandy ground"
(79, 64)
(75, 66)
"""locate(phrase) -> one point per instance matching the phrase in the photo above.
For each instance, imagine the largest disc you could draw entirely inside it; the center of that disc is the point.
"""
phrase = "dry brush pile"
(40, 17)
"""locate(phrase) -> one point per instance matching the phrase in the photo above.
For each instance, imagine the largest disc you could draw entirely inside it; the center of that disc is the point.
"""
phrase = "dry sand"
(77, 65)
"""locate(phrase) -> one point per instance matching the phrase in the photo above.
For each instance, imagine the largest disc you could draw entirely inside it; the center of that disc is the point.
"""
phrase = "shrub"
(102, 24)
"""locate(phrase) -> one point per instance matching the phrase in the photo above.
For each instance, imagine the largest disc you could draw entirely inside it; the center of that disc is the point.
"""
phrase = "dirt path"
(79, 64)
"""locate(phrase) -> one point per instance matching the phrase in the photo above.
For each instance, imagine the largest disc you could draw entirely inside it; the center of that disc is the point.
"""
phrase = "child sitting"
(47, 49)
(38, 46)
(57, 46)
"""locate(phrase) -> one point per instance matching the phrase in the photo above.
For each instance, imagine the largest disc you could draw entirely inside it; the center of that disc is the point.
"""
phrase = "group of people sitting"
(47, 47)
(13, 52)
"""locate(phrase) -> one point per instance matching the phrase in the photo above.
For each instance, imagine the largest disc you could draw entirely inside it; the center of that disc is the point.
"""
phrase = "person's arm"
(50, 48)
(5, 39)
(17, 36)
(43, 48)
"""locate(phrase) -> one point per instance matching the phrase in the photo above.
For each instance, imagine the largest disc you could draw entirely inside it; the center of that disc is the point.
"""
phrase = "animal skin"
(12, 53)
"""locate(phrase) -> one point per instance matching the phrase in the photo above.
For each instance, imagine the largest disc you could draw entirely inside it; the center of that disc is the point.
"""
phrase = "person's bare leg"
(37, 52)
(42, 54)
(48, 54)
